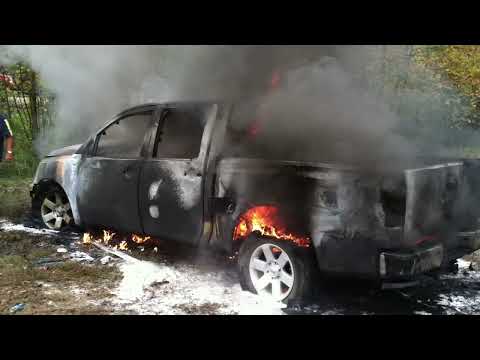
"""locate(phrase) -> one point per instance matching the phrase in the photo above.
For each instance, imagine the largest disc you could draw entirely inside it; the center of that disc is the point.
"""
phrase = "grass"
(471, 152)
(50, 289)
(26, 160)
(14, 197)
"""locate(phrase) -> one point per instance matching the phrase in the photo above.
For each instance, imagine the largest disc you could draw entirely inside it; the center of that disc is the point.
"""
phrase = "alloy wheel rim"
(55, 211)
(271, 272)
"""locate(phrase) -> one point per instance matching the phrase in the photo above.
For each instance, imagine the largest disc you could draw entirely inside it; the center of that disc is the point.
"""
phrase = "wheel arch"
(41, 188)
(226, 224)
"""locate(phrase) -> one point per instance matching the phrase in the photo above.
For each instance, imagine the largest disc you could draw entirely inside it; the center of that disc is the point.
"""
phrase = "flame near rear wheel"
(266, 220)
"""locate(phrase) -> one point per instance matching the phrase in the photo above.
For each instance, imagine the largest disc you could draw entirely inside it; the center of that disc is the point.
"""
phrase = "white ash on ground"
(105, 260)
(6, 225)
(421, 313)
(159, 288)
(462, 264)
(156, 288)
(466, 299)
(80, 256)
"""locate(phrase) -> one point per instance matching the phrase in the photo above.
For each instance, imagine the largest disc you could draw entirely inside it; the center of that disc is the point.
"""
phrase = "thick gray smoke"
(320, 111)
(322, 114)
(91, 84)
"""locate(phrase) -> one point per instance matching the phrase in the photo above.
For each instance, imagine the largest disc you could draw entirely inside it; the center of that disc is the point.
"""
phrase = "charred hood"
(68, 150)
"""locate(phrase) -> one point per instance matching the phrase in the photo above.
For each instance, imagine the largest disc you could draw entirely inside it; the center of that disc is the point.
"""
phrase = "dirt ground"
(34, 273)
(55, 273)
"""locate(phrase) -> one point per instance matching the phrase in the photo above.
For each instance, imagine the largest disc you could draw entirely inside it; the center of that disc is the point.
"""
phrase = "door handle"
(126, 172)
(96, 165)
(193, 171)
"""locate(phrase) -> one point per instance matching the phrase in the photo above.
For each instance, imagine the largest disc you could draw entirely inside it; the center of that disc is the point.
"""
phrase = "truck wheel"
(276, 269)
(55, 210)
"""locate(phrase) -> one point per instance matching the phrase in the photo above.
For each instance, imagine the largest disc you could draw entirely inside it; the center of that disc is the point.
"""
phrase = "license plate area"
(404, 265)
(428, 260)
(470, 239)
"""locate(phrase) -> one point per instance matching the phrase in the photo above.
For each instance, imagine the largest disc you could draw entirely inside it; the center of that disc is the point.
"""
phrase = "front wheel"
(276, 269)
(55, 210)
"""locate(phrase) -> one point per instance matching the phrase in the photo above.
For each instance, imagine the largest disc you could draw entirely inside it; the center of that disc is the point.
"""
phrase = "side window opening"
(125, 137)
(181, 134)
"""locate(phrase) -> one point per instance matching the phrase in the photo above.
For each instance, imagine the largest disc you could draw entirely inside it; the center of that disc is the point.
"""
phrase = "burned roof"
(154, 106)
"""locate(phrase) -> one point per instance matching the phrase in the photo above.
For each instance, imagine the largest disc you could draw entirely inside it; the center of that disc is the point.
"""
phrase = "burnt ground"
(49, 275)
(449, 294)
(54, 273)
(176, 280)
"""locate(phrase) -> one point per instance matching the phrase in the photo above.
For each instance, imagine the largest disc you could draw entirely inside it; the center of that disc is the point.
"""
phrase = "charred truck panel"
(173, 190)
(173, 171)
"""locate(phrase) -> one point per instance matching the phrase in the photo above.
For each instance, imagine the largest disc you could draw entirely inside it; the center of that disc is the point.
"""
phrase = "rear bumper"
(465, 243)
(469, 240)
(404, 265)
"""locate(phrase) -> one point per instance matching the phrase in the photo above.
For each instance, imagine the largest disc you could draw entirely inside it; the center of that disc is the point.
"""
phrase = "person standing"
(6, 139)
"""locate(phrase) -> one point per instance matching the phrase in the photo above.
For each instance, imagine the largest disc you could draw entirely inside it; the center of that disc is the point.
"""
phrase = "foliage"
(27, 105)
(15, 197)
(457, 68)
(433, 90)
(25, 158)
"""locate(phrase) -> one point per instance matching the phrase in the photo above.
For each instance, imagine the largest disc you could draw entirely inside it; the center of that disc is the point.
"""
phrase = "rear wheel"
(55, 210)
(276, 269)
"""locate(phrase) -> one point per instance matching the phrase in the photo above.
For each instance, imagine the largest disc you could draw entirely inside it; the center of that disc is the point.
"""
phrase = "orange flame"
(139, 240)
(87, 238)
(265, 220)
(107, 236)
(108, 239)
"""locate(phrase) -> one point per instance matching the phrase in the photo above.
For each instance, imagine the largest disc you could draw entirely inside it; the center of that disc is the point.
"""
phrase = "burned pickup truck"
(163, 170)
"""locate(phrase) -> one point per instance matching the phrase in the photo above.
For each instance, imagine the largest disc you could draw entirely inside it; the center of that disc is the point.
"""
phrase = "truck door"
(172, 180)
(108, 178)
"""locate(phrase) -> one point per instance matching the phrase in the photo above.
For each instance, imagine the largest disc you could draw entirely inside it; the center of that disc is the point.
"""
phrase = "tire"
(295, 276)
(54, 210)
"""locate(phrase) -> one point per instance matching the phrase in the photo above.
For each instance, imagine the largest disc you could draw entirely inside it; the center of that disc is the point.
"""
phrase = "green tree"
(457, 67)
(27, 104)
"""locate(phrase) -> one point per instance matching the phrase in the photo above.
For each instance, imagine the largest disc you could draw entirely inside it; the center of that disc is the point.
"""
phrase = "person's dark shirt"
(5, 132)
